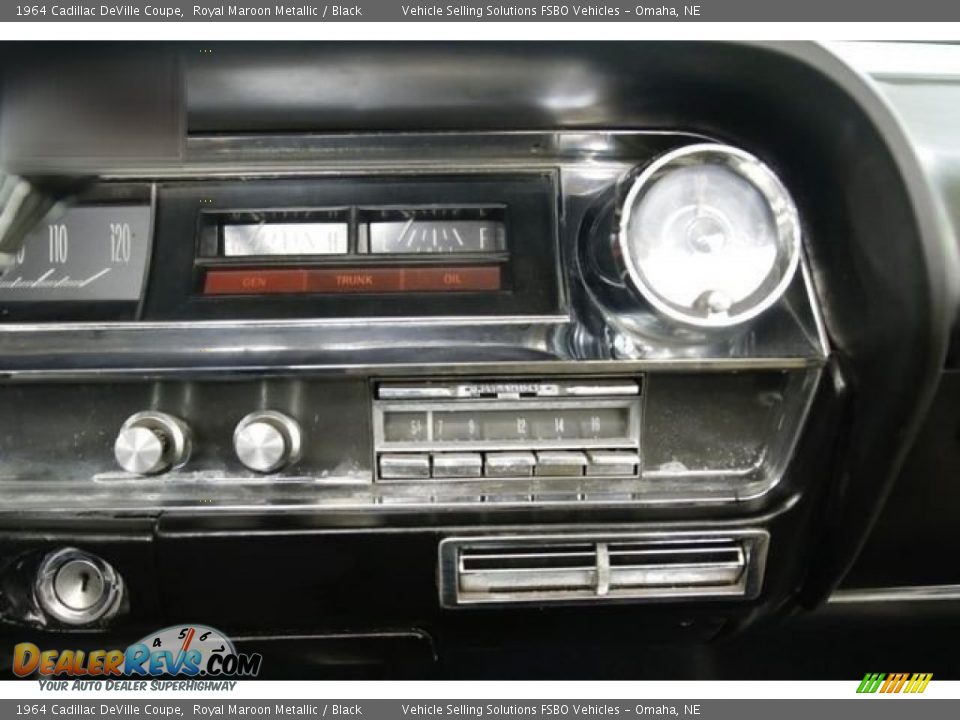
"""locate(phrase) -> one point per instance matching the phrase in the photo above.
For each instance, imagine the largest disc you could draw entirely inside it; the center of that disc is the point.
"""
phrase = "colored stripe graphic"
(894, 683)
(918, 683)
(871, 682)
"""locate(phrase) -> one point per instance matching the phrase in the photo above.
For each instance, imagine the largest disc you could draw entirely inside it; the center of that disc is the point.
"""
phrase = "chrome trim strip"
(814, 305)
(507, 389)
(906, 593)
(305, 154)
(145, 281)
(318, 323)
(542, 365)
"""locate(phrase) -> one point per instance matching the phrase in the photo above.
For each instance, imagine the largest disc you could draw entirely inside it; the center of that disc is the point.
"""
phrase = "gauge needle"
(186, 645)
(188, 639)
(403, 232)
(700, 186)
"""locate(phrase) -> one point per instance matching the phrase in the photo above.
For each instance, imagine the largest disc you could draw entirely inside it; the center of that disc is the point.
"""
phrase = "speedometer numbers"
(91, 253)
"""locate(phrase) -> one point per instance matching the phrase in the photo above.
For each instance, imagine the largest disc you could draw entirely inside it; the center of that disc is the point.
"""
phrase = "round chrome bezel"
(751, 169)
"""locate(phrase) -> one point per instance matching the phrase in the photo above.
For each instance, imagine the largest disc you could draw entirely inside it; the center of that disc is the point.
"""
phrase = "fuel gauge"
(443, 231)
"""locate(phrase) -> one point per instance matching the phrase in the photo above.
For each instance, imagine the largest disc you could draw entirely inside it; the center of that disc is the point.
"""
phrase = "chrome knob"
(152, 442)
(76, 588)
(265, 441)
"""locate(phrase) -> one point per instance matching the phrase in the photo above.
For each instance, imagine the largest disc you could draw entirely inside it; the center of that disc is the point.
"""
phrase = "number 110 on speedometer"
(96, 253)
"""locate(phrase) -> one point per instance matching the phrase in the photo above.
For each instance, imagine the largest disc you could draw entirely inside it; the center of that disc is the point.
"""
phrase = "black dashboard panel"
(919, 512)
(403, 467)
(918, 528)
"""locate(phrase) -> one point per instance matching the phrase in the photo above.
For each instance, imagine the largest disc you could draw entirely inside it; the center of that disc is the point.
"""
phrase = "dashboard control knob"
(152, 442)
(77, 588)
(266, 440)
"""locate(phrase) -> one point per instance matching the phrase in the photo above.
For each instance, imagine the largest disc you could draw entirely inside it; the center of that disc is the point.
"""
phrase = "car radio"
(503, 429)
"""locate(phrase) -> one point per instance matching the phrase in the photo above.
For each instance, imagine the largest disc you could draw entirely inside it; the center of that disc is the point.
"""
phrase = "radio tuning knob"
(152, 442)
(266, 440)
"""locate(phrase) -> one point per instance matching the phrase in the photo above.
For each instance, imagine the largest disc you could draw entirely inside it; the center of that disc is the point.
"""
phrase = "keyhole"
(84, 581)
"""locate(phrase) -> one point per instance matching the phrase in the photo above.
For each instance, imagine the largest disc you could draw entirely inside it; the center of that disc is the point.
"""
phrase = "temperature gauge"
(90, 253)
(433, 230)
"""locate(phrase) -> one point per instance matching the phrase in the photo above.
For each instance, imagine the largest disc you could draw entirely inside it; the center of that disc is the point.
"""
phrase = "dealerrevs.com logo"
(191, 651)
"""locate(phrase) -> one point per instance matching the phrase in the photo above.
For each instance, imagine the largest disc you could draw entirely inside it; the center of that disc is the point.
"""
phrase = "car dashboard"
(471, 360)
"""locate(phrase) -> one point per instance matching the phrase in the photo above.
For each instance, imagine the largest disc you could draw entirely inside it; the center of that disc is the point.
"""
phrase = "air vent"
(652, 566)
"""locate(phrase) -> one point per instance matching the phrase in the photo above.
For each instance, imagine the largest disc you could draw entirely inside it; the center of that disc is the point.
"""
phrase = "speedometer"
(88, 253)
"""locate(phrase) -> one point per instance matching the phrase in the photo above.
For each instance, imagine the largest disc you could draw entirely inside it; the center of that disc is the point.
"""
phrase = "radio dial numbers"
(534, 424)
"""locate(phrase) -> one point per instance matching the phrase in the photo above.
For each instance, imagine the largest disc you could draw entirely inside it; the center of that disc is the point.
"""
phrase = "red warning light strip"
(259, 281)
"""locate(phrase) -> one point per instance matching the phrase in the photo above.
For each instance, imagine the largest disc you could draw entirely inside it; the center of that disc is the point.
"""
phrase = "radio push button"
(612, 462)
(266, 441)
(509, 464)
(457, 465)
(563, 463)
(408, 466)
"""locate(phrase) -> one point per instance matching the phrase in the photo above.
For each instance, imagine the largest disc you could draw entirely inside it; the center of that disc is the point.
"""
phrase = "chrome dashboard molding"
(908, 593)
(155, 371)
(413, 153)
(280, 323)
(59, 348)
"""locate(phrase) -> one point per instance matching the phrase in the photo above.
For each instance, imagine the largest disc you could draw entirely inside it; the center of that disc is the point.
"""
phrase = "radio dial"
(152, 442)
(266, 441)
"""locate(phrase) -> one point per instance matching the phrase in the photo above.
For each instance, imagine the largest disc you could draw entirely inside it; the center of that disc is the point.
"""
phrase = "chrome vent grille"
(617, 567)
